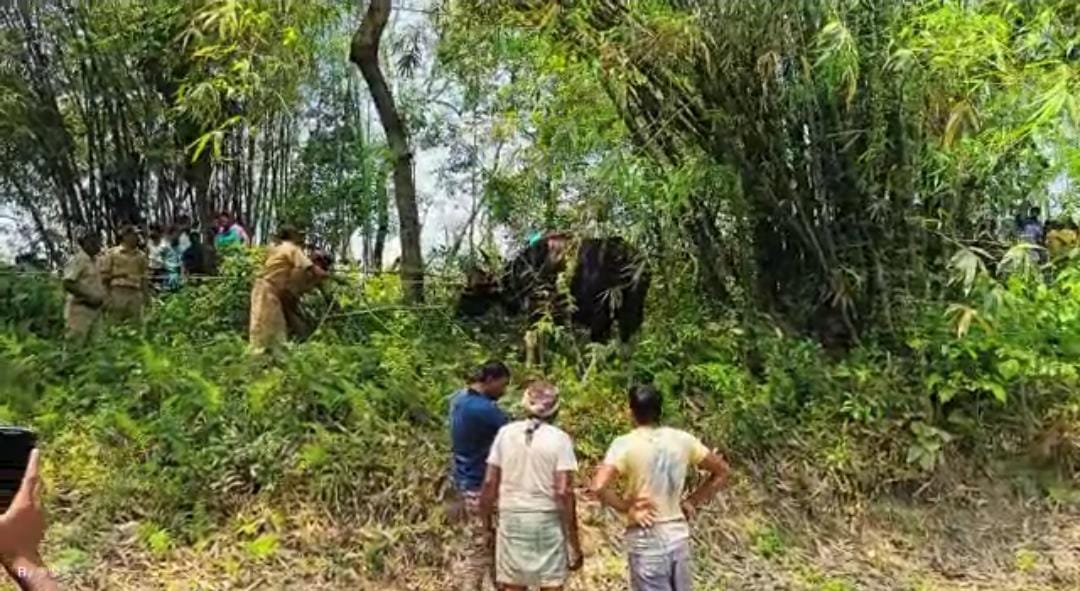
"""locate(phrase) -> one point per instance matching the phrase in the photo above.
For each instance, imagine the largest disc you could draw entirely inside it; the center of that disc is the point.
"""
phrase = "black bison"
(608, 285)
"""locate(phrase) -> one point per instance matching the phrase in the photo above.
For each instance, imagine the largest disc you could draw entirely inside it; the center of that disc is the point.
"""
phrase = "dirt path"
(748, 541)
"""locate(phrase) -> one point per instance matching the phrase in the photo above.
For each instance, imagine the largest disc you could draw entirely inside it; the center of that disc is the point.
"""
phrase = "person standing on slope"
(85, 290)
(656, 460)
(286, 275)
(530, 475)
(475, 419)
(125, 270)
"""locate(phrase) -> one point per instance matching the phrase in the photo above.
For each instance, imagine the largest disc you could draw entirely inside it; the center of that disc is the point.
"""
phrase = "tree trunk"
(365, 54)
(382, 225)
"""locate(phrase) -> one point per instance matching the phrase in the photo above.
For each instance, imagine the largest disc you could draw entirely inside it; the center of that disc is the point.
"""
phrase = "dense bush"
(177, 426)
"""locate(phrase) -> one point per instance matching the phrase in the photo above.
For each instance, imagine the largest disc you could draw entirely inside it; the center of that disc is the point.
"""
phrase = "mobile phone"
(16, 444)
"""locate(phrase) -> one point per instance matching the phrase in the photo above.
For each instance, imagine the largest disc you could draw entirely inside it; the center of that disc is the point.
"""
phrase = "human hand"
(642, 512)
(577, 557)
(689, 510)
(22, 526)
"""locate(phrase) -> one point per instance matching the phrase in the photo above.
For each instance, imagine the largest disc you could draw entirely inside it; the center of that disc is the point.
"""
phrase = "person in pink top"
(230, 232)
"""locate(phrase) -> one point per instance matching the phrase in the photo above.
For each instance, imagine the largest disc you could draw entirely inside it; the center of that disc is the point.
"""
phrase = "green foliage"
(175, 426)
(245, 56)
(767, 541)
(794, 170)
(30, 301)
(1026, 560)
(263, 547)
(811, 161)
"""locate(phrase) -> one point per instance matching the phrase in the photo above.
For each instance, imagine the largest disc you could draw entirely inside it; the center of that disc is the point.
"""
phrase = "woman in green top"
(229, 232)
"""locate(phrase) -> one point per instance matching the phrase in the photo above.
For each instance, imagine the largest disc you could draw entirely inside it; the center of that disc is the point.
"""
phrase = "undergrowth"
(174, 427)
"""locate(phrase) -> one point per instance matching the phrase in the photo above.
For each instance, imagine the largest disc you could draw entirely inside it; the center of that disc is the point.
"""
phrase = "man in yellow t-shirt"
(655, 462)
(286, 275)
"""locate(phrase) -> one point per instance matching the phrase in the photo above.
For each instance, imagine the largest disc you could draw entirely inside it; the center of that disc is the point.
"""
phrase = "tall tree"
(365, 54)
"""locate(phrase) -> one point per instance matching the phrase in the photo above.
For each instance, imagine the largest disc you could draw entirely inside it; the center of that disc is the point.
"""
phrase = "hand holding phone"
(22, 524)
(15, 447)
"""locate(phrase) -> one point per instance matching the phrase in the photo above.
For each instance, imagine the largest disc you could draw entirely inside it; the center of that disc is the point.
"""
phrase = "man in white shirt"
(530, 477)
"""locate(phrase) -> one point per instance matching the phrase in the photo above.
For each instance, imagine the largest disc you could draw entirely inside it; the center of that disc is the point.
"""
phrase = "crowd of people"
(516, 507)
(118, 283)
(516, 504)
(515, 480)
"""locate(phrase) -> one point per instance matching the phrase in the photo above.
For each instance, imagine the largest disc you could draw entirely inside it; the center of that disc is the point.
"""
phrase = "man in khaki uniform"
(126, 273)
(286, 275)
(86, 292)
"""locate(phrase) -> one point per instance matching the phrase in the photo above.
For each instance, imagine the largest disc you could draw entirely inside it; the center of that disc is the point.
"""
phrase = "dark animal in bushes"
(607, 286)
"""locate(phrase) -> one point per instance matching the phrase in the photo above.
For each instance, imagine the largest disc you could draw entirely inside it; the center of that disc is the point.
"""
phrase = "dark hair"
(289, 232)
(85, 236)
(322, 259)
(492, 370)
(646, 403)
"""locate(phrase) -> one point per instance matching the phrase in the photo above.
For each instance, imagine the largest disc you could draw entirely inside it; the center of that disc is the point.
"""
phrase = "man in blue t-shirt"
(475, 419)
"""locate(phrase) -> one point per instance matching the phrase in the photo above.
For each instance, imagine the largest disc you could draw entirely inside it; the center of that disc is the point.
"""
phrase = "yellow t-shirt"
(656, 462)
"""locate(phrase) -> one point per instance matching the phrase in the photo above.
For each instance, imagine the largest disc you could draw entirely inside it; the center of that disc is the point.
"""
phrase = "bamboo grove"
(820, 161)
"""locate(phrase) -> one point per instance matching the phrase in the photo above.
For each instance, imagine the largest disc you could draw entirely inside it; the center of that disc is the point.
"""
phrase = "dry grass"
(976, 539)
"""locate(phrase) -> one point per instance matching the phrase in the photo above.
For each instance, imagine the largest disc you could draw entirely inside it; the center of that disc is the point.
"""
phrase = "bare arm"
(489, 492)
(601, 487)
(717, 468)
(641, 511)
(567, 503)
(30, 574)
(73, 287)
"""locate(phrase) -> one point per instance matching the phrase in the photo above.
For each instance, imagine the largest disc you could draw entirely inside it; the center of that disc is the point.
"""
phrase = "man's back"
(529, 465)
(475, 419)
(656, 462)
(283, 260)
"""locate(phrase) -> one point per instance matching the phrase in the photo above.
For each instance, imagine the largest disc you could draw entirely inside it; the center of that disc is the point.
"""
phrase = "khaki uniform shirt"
(83, 272)
(287, 270)
(125, 268)
(1060, 242)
